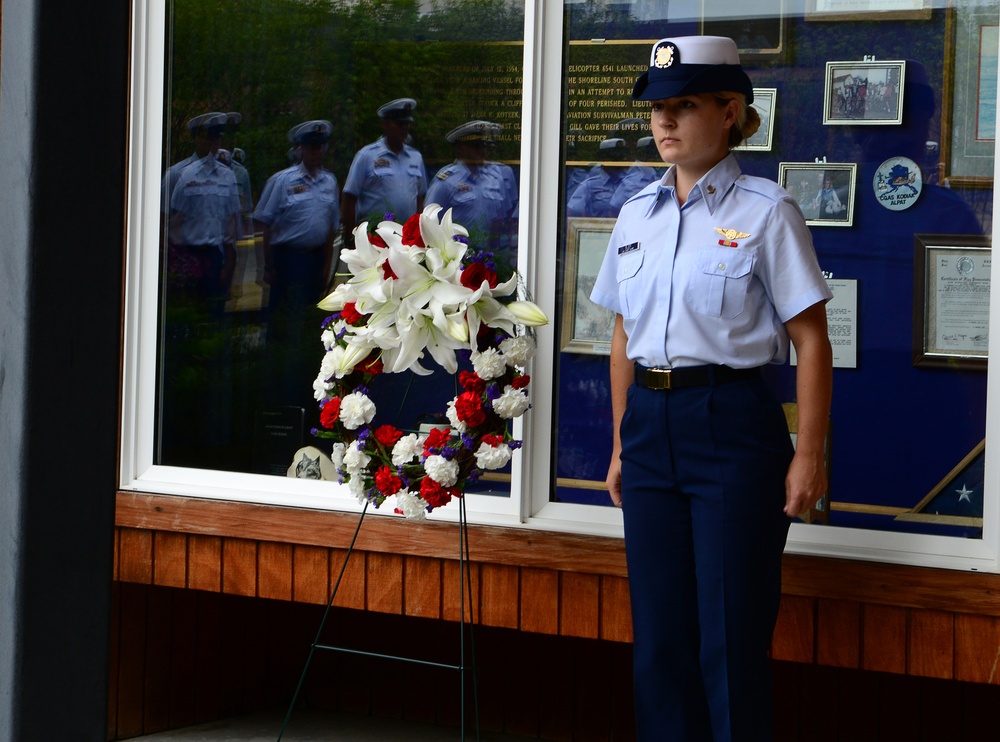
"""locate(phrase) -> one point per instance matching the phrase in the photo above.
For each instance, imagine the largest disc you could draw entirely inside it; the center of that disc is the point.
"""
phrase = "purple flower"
(492, 392)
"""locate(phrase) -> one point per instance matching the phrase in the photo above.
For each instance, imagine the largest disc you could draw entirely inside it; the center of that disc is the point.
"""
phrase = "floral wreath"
(417, 289)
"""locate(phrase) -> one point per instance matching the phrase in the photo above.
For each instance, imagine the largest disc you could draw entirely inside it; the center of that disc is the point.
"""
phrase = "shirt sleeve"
(355, 176)
(791, 272)
(605, 291)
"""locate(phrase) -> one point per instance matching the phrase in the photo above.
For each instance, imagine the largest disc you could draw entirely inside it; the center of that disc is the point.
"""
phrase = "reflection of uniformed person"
(298, 217)
(469, 187)
(709, 273)
(238, 164)
(203, 219)
(387, 176)
(593, 196)
(636, 177)
(206, 132)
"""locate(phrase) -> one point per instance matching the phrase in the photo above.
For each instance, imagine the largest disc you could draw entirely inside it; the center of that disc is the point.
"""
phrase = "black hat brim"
(691, 79)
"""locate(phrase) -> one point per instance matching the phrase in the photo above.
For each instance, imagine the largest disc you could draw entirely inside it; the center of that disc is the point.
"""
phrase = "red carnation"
(473, 276)
(371, 365)
(331, 410)
(387, 482)
(437, 438)
(471, 382)
(434, 494)
(387, 435)
(492, 439)
(376, 240)
(387, 271)
(411, 232)
(469, 408)
(520, 382)
(350, 313)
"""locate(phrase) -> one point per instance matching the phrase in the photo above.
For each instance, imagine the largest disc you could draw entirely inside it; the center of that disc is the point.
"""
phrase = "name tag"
(628, 248)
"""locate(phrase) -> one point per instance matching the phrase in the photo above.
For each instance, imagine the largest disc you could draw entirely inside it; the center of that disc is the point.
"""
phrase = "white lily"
(528, 313)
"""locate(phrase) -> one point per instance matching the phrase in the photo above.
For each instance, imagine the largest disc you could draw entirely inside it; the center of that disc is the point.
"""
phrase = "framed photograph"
(586, 327)
(758, 32)
(867, 10)
(864, 93)
(824, 190)
(951, 300)
(763, 101)
(968, 106)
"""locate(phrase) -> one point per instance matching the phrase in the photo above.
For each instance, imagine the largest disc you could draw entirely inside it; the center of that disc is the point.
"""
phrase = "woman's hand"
(805, 482)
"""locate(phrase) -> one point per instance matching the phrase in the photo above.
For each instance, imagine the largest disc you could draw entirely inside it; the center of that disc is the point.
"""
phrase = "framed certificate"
(951, 300)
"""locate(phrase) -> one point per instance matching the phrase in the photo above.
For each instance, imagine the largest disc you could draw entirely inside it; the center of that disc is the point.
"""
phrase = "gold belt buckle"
(658, 378)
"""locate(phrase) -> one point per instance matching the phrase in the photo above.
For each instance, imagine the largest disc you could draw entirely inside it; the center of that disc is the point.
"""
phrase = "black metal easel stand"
(465, 578)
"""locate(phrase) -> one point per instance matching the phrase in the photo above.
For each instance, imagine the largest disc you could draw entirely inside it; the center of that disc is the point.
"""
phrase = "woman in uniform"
(710, 273)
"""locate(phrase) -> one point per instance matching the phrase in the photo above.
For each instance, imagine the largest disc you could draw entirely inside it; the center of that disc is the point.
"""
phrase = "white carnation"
(413, 506)
(492, 457)
(330, 365)
(512, 403)
(356, 410)
(356, 486)
(489, 364)
(407, 449)
(441, 470)
(452, 415)
(322, 391)
(337, 455)
(518, 351)
(355, 460)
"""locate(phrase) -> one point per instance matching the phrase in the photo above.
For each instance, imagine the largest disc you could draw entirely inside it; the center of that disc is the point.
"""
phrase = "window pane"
(252, 220)
(898, 209)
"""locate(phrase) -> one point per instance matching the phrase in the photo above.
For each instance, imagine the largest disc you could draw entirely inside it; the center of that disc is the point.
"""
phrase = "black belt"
(676, 378)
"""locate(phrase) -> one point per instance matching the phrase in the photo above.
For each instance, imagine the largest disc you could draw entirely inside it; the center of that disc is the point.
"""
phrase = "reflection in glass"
(897, 430)
(269, 107)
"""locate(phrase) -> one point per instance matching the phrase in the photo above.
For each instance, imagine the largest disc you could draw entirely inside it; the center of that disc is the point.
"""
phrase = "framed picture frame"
(586, 327)
(951, 300)
(867, 10)
(759, 32)
(764, 101)
(825, 191)
(968, 101)
(864, 93)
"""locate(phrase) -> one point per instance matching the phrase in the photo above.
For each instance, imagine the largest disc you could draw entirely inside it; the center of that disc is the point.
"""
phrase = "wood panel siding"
(837, 613)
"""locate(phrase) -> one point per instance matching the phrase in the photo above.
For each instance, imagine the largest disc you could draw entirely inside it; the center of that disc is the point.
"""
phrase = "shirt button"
(722, 266)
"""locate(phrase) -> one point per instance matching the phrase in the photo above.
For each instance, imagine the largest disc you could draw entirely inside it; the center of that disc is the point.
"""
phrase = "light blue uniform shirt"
(170, 181)
(593, 196)
(475, 195)
(686, 296)
(300, 210)
(383, 181)
(204, 205)
(635, 179)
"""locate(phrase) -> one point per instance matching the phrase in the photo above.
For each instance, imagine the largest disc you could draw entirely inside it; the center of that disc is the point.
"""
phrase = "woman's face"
(692, 131)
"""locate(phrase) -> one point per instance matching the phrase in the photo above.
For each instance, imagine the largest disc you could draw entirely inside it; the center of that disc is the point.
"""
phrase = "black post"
(63, 114)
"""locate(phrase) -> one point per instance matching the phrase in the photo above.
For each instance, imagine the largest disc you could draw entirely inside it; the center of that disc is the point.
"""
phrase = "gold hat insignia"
(731, 234)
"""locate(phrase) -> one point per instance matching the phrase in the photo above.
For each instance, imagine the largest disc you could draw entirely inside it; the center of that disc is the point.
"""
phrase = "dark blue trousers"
(703, 472)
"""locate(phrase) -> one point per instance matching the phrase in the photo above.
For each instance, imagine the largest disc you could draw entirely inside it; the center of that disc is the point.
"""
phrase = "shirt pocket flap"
(629, 265)
(729, 263)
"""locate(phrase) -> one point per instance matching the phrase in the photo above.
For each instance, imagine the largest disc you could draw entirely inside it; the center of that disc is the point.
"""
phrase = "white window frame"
(529, 505)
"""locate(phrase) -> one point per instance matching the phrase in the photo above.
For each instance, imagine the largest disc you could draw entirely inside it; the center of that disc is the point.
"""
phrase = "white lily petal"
(528, 313)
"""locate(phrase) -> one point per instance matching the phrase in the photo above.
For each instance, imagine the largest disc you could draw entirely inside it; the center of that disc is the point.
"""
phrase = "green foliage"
(280, 62)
